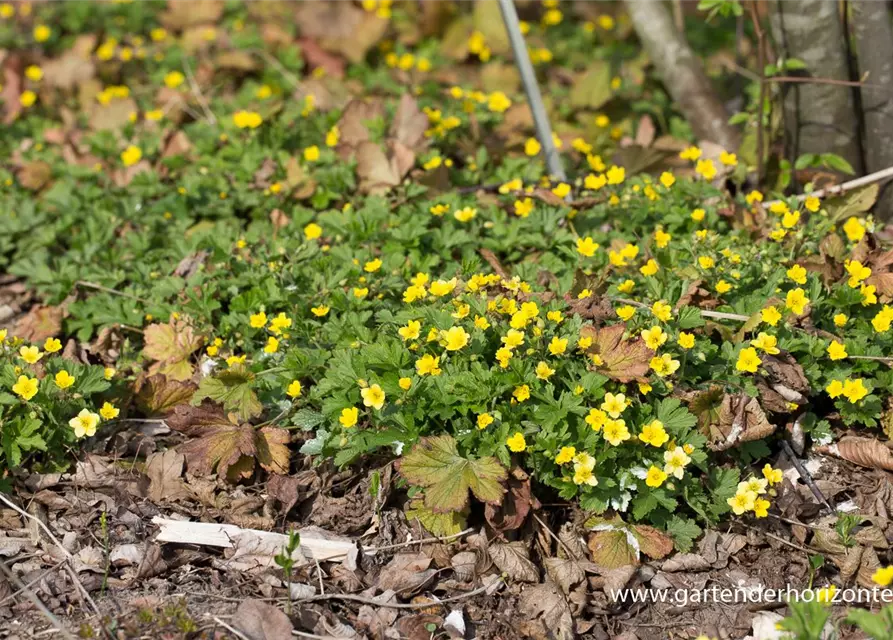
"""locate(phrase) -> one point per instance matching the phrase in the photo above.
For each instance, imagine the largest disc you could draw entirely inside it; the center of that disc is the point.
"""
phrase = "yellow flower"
(498, 102)
(555, 316)
(586, 246)
(174, 79)
(372, 266)
(557, 346)
(654, 337)
(675, 461)
(349, 417)
(655, 477)
(154, 115)
(51, 345)
(664, 365)
(753, 196)
(796, 300)
(373, 396)
(596, 418)
(294, 389)
(723, 287)
(761, 507)
(481, 322)
(404, 383)
(565, 455)
(654, 434)
(484, 420)
(562, 189)
(521, 393)
(428, 365)
(30, 354)
(333, 136)
(34, 73)
(615, 431)
(411, 331)
(614, 404)
(272, 345)
(64, 379)
(544, 371)
(826, 595)
(661, 238)
(854, 229)
(748, 360)
(25, 387)
(857, 272)
(513, 338)
(516, 442)
(257, 320)
(84, 423)
(706, 169)
(790, 219)
(690, 153)
(770, 315)
(584, 465)
(7, 10)
(728, 159)
(686, 340)
(649, 268)
(247, 119)
(466, 214)
(108, 411)
(797, 274)
(311, 153)
(742, 502)
(667, 179)
(616, 175)
(108, 373)
(706, 262)
(883, 576)
(319, 311)
(524, 207)
(773, 476)
(455, 338)
(883, 319)
(595, 182)
(837, 351)
(312, 231)
(812, 204)
(766, 343)
(131, 155)
(834, 388)
(854, 390)
(42, 33)
(868, 293)
(625, 312)
(662, 311)
(503, 356)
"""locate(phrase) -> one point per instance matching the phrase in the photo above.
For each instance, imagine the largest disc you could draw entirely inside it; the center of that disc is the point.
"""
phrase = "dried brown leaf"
(741, 419)
(40, 323)
(158, 394)
(622, 359)
(865, 452)
(513, 558)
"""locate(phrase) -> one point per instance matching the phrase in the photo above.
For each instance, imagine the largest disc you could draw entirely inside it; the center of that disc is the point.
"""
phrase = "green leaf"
(438, 524)
(233, 389)
(874, 624)
(592, 88)
(724, 483)
(676, 418)
(683, 531)
(435, 463)
(307, 419)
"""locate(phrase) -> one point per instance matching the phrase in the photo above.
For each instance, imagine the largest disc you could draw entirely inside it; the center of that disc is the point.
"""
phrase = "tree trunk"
(681, 72)
(819, 117)
(874, 45)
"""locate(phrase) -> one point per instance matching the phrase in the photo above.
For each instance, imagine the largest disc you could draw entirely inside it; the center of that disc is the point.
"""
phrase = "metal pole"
(532, 89)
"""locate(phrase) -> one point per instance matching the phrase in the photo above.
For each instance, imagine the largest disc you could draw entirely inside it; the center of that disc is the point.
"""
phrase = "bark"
(874, 46)
(681, 72)
(819, 117)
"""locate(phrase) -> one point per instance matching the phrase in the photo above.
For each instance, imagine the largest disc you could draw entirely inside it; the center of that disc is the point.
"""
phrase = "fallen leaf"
(623, 360)
(74, 67)
(11, 87)
(438, 524)
(611, 547)
(409, 124)
(261, 621)
(182, 15)
(40, 323)
(544, 614)
(518, 501)
(513, 559)
(488, 20)
(740, 419)
(592, 88)
(865, 452)
(317, 57)
(406, 573)
(164, 470)
(564, 572)
(341, 27)
(35, 175)
(112, 116)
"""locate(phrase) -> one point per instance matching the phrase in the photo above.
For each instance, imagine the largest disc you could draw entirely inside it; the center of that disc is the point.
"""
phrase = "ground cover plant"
(299, 250)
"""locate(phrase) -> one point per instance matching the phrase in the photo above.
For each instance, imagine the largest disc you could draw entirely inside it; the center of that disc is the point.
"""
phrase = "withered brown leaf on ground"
(866, 452)
(784, 383)
(341, 27)
(624, 360)
(406, 573)
(40, 323)
(565, 572)
(543, 613)
(513, 558)
(34, 175)
(164, 470)
(410, 124)
(516, 504)
(740, 419)
(261, 621)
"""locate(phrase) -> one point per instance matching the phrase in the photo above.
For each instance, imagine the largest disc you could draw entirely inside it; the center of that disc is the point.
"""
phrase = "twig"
(30, 584)
(871, 178)
(409, 543)
(232, 630)
(804, 474)
(36, 601)
(99, 287)
(719, 315)
(202, 101)
(886, 359)
(396, 605)
(567, 550)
